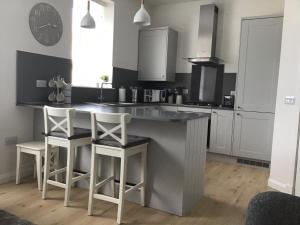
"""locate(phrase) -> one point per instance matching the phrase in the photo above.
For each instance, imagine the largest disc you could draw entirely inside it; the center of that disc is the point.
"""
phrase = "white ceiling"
(161, 2)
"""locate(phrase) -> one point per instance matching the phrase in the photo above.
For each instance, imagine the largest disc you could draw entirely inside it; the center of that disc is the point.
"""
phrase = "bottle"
(178, 99)
(134, 91)
(122, 94)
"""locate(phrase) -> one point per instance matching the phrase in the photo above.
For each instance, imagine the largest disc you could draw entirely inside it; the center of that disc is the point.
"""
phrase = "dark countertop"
(148, 112)
(167, 104)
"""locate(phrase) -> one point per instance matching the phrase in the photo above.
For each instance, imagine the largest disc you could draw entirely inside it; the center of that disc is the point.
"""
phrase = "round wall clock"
(45, 24)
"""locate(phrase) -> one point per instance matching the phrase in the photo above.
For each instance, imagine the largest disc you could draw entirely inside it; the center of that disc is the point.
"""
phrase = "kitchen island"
(176, 153)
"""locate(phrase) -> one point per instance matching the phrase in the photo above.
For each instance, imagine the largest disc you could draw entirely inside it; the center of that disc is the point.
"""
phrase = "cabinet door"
(153, 46)
(221, 132)
(253, 134)
(259, 64)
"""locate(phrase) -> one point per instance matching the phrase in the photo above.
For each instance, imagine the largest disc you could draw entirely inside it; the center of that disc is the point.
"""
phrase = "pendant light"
(142, 17)
(88, 21)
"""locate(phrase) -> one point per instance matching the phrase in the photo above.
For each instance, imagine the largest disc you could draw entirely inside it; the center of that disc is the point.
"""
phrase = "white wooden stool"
(36, 148)
(122, 146)
(63, 134)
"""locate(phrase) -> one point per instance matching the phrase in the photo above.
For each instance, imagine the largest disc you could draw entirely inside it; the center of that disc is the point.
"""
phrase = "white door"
(221, 132)
(153, 45)
(253, 133)
(259, 64)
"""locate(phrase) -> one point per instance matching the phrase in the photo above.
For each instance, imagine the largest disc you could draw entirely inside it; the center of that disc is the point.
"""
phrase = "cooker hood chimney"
(207, 37)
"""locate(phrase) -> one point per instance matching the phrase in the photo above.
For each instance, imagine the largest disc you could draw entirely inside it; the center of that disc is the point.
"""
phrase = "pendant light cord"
(89, 5)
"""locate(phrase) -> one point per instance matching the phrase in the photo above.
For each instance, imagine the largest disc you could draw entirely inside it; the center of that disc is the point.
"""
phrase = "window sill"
(93, 87)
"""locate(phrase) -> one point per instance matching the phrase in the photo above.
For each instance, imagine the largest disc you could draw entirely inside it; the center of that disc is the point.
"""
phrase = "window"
(92, 49)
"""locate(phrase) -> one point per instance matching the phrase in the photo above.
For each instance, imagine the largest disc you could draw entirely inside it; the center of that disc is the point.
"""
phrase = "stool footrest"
(106, 198)
(56, 183)
(80, 177)
(103, 182)
(134, 188)
(55, 172)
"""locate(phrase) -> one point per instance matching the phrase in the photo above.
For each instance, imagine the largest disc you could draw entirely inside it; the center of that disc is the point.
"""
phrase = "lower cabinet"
(253, 133)
(221, 132)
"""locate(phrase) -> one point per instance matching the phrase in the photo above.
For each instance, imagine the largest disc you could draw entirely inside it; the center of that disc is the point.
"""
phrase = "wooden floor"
(229, 187)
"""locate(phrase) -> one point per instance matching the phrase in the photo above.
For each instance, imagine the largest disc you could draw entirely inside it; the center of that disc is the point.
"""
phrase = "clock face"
(45, 24)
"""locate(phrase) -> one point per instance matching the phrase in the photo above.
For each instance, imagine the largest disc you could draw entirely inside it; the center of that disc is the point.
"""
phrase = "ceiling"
(161, 2)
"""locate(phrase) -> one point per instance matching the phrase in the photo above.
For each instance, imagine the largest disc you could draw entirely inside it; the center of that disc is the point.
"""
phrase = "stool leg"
(122, 188)
(34, 169)
(46, 168)
(94, 168)
(18, 165)
(112, 173)
(38, 161)
(143, 175)
(70, 166)
(74, 163)
(56, 162)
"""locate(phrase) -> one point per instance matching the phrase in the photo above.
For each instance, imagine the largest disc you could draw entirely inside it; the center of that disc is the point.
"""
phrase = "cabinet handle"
(238, 114)
(239, 107)
(215, 112)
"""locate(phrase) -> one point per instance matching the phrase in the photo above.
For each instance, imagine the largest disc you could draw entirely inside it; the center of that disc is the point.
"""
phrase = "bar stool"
(115, 145)
(36, 148)
(63, 134)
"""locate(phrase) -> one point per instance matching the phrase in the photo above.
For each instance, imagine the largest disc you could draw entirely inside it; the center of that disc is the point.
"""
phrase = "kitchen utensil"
(52, 97)
(52, 83)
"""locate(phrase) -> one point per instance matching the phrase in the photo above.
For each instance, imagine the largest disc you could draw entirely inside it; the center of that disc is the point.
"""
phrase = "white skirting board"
(285, 188)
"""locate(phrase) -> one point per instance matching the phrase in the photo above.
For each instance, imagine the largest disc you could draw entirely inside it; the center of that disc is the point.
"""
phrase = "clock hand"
(48, 25)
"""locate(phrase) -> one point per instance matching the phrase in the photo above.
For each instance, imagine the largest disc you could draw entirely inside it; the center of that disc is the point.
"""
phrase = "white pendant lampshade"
(88, 21)
(142, 17)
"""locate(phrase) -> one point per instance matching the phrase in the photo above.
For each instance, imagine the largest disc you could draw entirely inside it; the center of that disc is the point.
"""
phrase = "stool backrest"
(119, 122)
(59, 120)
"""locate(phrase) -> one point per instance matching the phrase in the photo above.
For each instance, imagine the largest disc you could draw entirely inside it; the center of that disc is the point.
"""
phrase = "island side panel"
(195, 160)
(166, 155)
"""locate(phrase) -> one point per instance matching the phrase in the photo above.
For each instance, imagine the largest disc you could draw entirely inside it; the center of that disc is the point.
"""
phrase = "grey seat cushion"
(132, 141)
(78, 133)
(9, 219)
(274, 208)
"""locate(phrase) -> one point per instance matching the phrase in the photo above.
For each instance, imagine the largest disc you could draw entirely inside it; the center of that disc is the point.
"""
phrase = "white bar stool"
(63, 134)
(122, 146)
(36, 148)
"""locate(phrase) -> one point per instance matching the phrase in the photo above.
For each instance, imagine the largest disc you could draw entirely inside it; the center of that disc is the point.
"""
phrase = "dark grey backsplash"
(181, 80)
(129, 78)
(229, 83)
(32, 67)
(124, 78)
(84, 94)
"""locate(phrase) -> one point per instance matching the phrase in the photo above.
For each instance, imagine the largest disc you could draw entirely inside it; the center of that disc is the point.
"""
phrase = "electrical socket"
(41, 83)
(290, 100)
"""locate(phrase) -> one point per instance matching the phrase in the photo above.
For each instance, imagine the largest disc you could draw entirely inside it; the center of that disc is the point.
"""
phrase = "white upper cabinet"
(157, 54)
(221, 132)
(259, 64)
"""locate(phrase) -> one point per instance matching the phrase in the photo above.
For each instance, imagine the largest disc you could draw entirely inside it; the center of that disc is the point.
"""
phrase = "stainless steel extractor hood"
(207, 37)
